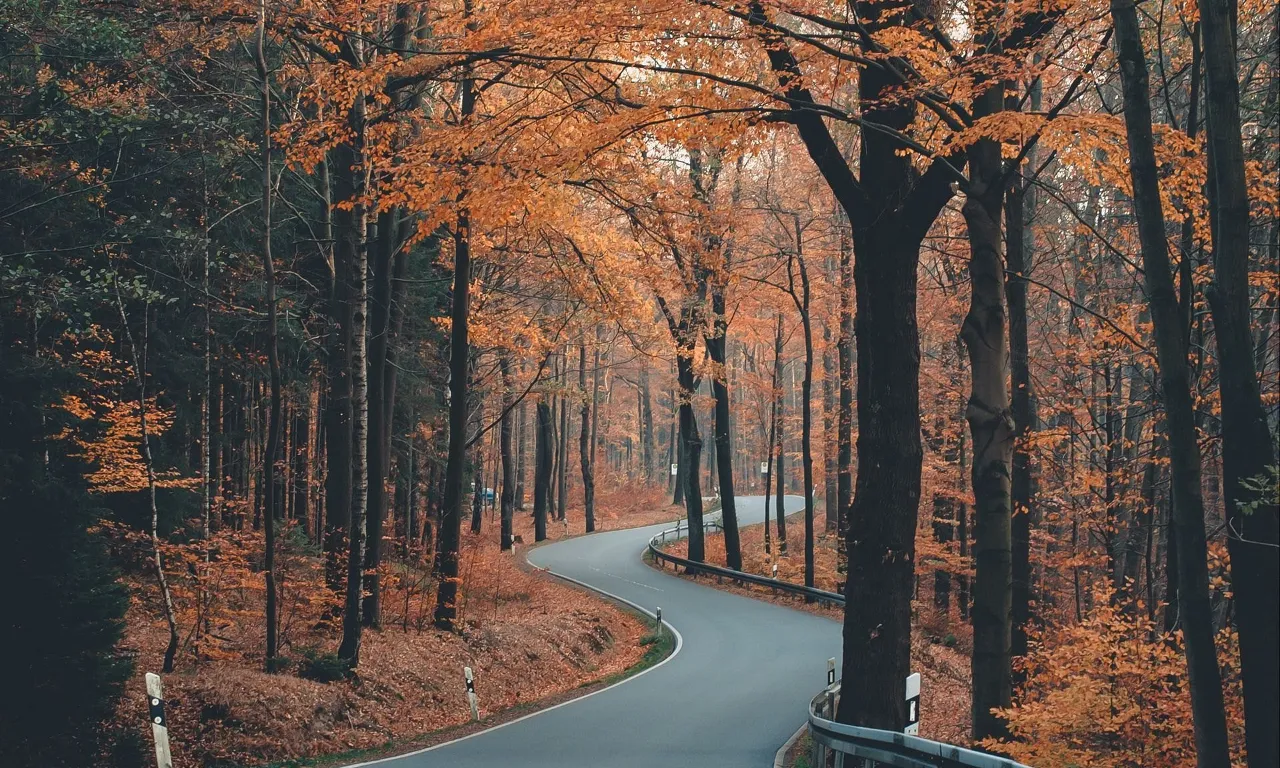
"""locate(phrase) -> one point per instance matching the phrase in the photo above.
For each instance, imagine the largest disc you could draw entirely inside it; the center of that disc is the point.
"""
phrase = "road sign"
(674, 467)
(913, 704)
(831, 671)
(764, 467)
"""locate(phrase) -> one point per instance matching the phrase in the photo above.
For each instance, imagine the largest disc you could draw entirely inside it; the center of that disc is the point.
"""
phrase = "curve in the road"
(735, 689)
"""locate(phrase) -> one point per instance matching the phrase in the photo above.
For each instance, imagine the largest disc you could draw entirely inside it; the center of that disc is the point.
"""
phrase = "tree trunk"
(780, 414)
(562, 449)
(270, 457)
(1019, 247)
(1247, 445)
(690, 467)
(357, 236)
(806, 397)
(508, 491)
(450, 535)
(648, 448)
(716, 344)
(584, 443)
(379, 428)
(991, 427)
(166, 597)
(542, 470)
(1189, 534)
(831, 493)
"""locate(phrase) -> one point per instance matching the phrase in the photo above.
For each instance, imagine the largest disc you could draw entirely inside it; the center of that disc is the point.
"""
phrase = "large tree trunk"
(723, 435)
(844, 422)
(691, 459)
(379, 428)
(337, 485)
(584, 442)
(1189, 535)
(450, 535)
(1247, 446)
(991, 426)
(542, 470)
(1019, 247)
(352, 240)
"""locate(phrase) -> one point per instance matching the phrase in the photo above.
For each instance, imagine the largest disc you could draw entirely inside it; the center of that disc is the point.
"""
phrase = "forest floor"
(530, 640)
(939, 644)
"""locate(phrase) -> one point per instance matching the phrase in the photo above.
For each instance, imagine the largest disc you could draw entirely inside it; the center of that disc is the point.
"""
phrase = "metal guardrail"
(846, 746)
(681, 530)
(837, 745)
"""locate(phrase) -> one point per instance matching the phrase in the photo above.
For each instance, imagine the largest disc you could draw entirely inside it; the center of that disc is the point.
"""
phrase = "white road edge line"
(640, 608)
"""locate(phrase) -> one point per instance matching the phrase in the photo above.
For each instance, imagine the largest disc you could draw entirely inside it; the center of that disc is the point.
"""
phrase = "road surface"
(731, 695)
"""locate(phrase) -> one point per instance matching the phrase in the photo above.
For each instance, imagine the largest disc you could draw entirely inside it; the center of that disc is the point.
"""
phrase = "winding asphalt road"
(733, 693)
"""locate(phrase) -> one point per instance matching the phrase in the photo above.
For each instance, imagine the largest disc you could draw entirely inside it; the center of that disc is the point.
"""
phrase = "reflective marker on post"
(775, 571)
(831, 671)
(159, 726)
(913, 704)
(674, 467)
(471, 694)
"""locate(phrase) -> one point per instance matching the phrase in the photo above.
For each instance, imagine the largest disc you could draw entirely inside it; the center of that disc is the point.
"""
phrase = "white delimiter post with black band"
(159, 725)
(471, 694)
(913, 704)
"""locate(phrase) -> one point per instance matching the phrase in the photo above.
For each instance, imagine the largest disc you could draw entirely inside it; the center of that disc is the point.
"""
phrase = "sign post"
(658, 620)
(471, 694)
(159, 726)
(674, 467)
(913, 704)
(764, 467)
(831, 672)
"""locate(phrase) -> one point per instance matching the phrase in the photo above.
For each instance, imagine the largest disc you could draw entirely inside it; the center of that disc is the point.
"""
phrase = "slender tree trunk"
(831, 493)
(508, 491)
(542, 470)
(1248, 448)
(270, 457)
(779, 411)
(773, 435)
(562, 450)
(584, 443)
(806, 397)
(522, 442)
(1193, 578)
(171, 650)
(648, 448)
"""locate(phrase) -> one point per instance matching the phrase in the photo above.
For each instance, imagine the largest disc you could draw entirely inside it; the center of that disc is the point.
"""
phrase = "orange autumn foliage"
(1111, 692)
